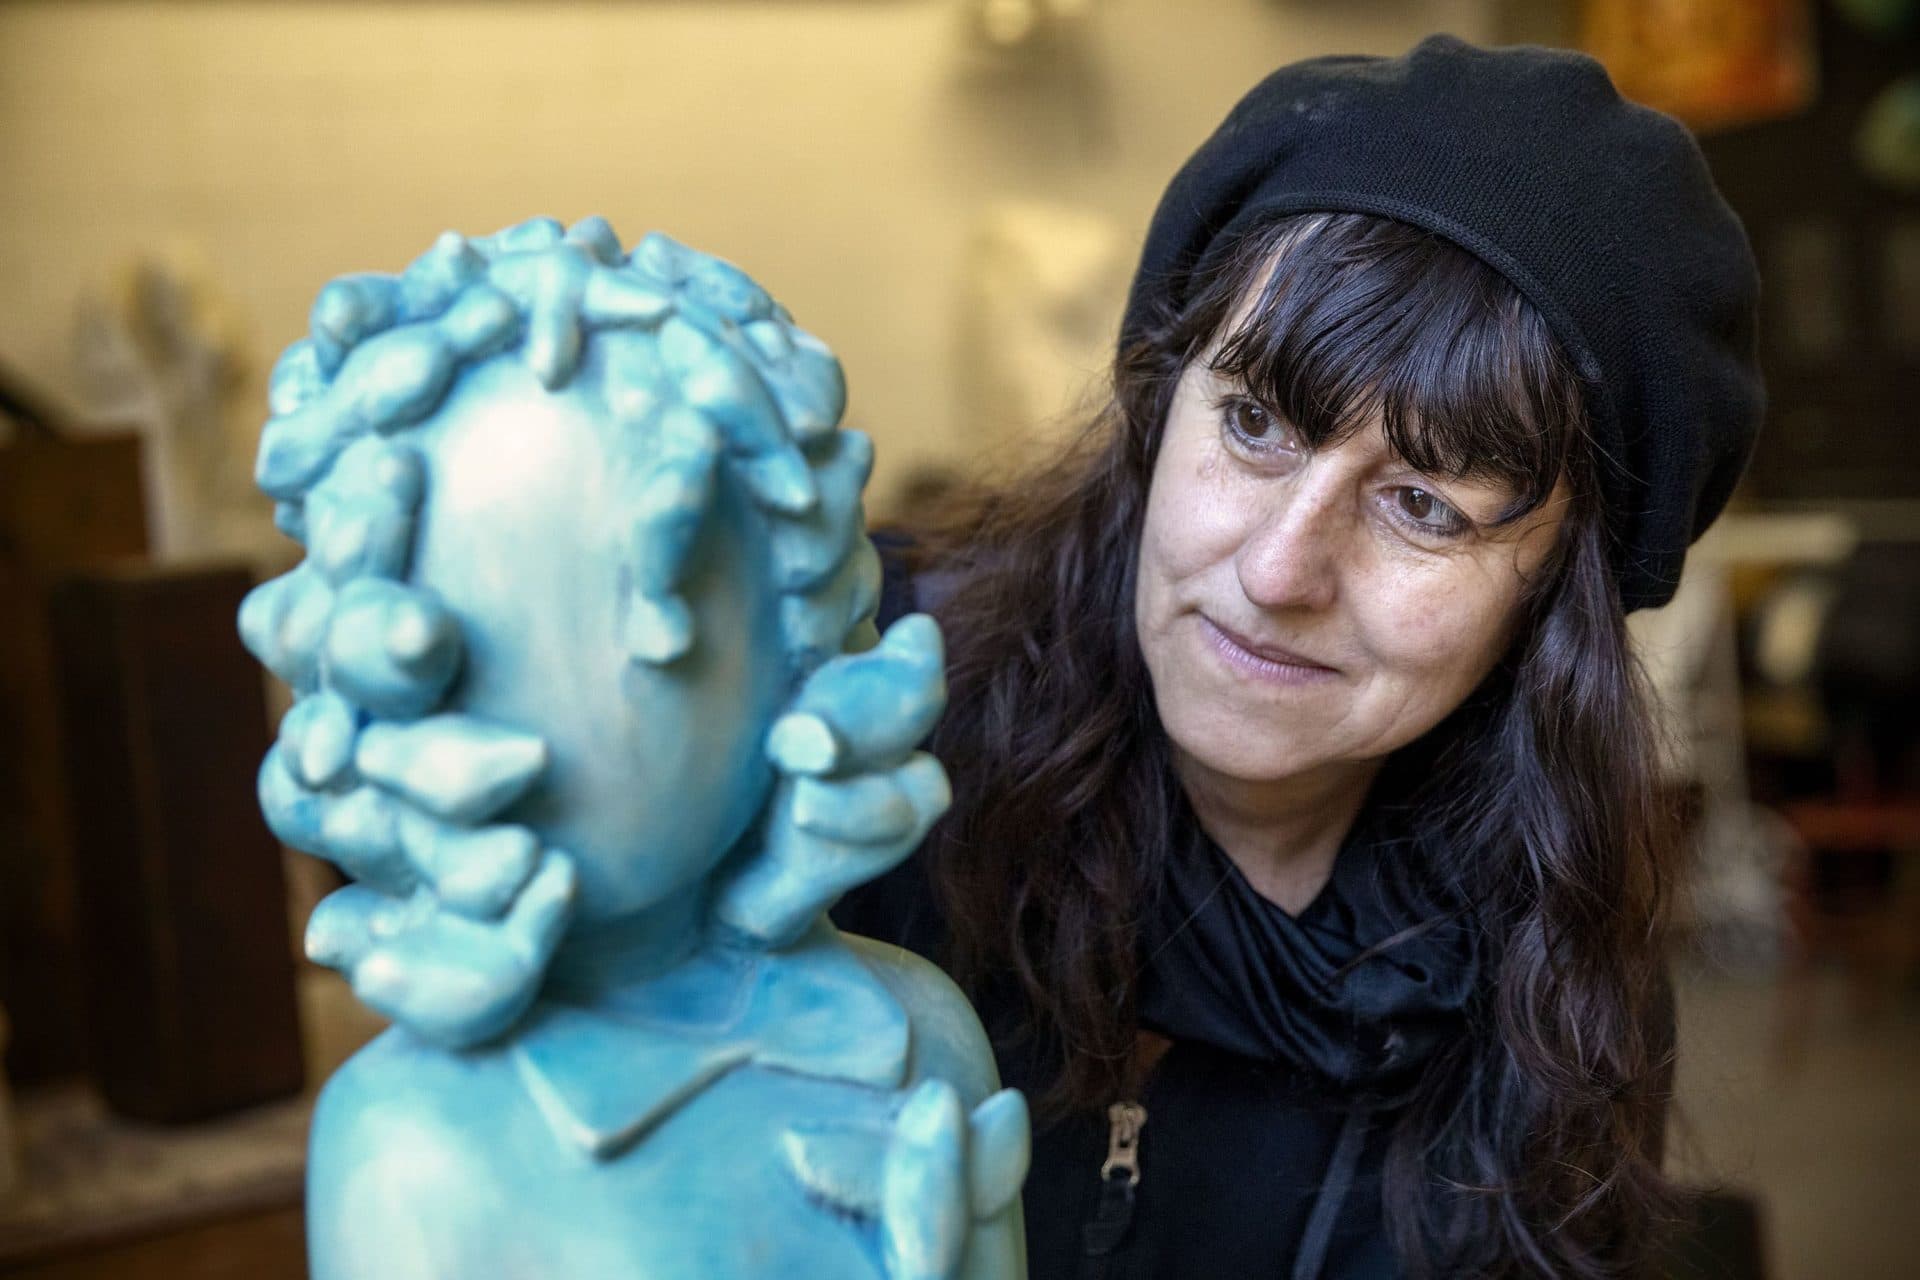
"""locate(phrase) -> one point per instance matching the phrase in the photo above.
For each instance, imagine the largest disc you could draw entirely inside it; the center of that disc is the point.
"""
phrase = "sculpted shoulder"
(948, 1042)
(397, 1184)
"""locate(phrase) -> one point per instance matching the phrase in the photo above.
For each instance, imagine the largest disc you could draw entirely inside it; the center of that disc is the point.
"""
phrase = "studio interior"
(951, 194)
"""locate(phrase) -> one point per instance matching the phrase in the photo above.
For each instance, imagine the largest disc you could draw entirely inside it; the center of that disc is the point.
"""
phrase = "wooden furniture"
(111, 1197)
(106, 1198)
(1853, 895)
(266, 1245)
(182, 901)
(64, 503)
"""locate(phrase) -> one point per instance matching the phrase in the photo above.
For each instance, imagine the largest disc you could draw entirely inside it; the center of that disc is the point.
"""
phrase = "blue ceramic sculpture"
(591, 709)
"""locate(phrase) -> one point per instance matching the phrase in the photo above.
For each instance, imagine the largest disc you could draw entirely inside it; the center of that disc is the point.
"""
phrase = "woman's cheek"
(1437, 633)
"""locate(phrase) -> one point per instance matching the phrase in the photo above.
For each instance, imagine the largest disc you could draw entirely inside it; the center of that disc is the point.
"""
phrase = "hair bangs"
(1359, 319)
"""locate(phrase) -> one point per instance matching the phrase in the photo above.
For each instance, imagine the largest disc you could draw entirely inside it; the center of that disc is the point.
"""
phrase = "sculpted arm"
(950, 1045)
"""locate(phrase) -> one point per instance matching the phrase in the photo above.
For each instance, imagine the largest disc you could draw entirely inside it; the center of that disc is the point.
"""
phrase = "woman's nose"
(1292, 559)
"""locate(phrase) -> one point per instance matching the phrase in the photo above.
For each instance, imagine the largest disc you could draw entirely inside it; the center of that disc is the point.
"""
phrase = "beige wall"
(836, 150)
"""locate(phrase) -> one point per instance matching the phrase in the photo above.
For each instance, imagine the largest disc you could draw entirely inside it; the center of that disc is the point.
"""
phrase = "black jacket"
(1232, 1158)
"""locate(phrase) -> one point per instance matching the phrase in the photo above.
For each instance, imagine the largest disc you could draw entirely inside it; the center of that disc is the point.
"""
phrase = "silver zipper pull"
(1125, 1120)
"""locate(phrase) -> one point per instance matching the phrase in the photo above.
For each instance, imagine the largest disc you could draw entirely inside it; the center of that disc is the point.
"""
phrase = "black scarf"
(1355, 993)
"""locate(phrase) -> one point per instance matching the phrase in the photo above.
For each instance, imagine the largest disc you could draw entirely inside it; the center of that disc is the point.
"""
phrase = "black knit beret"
(1601, 212)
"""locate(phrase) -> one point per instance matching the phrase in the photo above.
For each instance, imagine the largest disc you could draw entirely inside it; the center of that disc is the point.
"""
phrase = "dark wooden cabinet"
(181, 895)
(64, 503)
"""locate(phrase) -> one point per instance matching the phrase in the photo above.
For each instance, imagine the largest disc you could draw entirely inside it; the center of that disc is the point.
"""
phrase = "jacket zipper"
(1102, 1236)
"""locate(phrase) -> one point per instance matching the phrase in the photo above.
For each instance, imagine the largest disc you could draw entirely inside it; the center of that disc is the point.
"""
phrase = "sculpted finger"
(999, 1150)
(773, 897)
(293, 812)
(923, 1197)
(474, 871)
(540, 915)
(359, 520)
(445, 989)
(923, 780)
(341, 930)
(282, 623)
(865, 711)
(444, 977)
(456, 767)
(359, 832)
(354, 829)
(391, 648)
(805, 743)
(316, 739)
(867, 810)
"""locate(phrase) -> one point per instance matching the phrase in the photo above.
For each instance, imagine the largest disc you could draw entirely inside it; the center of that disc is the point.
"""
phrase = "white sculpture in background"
(1043, 283)
(163, 350)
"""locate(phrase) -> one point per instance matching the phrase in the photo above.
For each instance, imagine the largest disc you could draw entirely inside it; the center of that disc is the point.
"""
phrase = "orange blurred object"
(1712, 63)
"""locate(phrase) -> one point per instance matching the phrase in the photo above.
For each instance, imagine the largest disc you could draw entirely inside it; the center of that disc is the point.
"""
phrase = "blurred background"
(951, 193)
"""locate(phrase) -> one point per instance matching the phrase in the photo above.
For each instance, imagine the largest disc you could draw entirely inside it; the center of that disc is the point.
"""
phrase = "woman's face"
(1301, 610)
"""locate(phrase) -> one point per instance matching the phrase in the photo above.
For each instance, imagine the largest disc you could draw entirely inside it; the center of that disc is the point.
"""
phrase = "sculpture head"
(578, 494)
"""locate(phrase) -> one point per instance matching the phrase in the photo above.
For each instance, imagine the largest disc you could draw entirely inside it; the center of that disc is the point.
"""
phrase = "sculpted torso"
(592, 710)
(437, 1164)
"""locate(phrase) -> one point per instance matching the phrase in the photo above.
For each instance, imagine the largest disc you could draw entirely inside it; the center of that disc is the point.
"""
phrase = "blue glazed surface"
(591, 709)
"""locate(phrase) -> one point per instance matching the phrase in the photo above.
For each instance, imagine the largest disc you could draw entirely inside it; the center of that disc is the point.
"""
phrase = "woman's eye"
(1428, 513)
(1254, 425)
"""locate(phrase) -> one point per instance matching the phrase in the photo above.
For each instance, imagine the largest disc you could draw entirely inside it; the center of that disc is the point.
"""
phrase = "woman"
(1305, 857)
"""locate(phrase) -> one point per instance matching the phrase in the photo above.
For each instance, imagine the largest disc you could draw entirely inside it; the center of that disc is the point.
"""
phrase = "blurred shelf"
(93, 1179)
(103, 1196)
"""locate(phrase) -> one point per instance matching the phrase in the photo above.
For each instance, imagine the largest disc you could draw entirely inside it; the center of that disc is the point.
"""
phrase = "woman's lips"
(1267, 662)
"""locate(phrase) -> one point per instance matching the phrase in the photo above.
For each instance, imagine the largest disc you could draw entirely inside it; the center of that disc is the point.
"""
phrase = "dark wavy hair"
(1533, 1145)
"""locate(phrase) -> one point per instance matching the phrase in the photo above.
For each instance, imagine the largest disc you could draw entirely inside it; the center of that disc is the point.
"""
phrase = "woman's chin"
(1231, 756)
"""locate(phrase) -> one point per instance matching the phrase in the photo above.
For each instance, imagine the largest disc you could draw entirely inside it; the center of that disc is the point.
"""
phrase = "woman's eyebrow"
(1500, 489)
